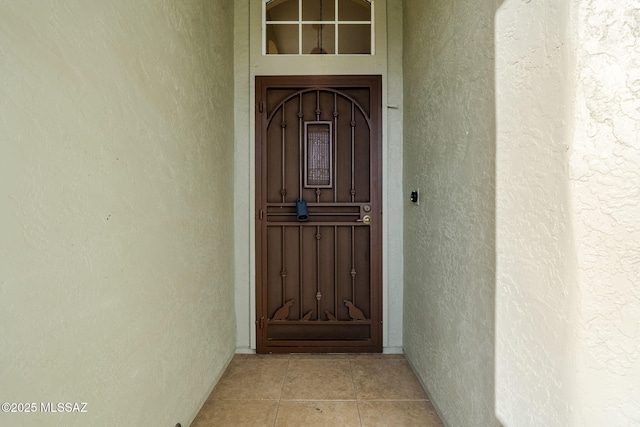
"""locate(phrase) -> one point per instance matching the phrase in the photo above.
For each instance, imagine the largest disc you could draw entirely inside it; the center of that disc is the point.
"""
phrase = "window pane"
(282, 10)
(318, 10)
(282, 39)
(354, 10)
(285, 38)
(318, 162)
(318, 39)
(354, 38)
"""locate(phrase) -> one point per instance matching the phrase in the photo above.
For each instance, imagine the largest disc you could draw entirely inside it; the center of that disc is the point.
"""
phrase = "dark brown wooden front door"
(318, 143)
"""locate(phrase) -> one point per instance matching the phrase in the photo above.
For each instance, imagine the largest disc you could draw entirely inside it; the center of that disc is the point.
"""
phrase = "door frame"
(373, 82)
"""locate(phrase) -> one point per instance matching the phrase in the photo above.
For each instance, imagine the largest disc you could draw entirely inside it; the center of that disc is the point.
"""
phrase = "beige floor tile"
(257, 378)
(398, 413)
(309, 390)
(237, 413)
(318, 379)
(325, 413)
(385, 379)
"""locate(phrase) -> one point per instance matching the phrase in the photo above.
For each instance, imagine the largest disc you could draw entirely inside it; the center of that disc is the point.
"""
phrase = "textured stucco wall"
(605, 177)
(387, 61)
(568, 253)
(535, 308)
(116, 209)
(449, 125)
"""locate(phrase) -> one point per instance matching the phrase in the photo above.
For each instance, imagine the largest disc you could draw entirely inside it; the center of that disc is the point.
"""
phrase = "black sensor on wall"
(414, 197)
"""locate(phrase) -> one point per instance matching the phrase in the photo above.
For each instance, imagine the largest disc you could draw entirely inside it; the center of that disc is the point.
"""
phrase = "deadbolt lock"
(365, 219)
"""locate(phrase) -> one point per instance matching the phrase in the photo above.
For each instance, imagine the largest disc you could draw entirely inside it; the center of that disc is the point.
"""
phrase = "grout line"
(284, 380)
(245, 400)
(393, 400)
(334, 400)
(319, 400)
(355, 390)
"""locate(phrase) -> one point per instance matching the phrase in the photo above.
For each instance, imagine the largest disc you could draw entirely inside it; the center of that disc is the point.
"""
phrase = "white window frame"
(336, 22)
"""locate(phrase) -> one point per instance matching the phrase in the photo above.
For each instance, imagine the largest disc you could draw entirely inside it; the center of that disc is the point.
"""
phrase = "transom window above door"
(317, 27)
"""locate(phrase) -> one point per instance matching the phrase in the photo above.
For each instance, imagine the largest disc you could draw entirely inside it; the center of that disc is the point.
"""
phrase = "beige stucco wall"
(449, 125)
(536, 287)
(116, 209)
(250, 62)
(605, 181)
(568, 157)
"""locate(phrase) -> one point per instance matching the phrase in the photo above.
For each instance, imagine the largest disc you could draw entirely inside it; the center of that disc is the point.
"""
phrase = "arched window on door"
(317, 27)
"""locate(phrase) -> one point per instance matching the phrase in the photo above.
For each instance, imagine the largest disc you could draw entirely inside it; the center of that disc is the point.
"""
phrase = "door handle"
(365, 219)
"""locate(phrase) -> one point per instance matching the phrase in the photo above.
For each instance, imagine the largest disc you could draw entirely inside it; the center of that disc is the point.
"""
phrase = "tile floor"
(318, 390)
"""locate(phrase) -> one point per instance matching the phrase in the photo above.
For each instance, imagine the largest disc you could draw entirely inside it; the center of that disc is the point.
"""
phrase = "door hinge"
(261, 106)
(260, 323)
(260, 214)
